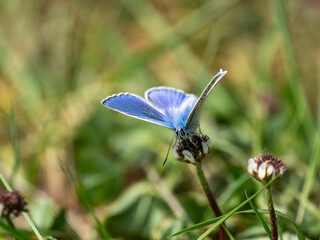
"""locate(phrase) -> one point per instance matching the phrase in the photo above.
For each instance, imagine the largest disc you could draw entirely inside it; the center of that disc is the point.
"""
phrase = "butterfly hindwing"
(135, 106)
(175, 104)
(165, 97)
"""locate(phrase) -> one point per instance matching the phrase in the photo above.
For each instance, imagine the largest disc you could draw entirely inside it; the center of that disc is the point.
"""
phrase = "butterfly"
(165, 106)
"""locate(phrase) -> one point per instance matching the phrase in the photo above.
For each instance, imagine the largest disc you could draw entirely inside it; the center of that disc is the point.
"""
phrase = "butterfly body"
(165, 106)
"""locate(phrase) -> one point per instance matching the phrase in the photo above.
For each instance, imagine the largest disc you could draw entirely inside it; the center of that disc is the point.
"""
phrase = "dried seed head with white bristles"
(192, 150)
(265, 167)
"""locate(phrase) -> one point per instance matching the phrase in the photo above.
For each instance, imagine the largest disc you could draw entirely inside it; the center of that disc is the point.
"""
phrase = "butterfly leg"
(165, 160)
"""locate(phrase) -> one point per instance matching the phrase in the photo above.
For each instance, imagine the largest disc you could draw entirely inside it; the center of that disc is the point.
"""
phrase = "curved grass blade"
(197, 226)
(259, 216)
(280, 214)
(231, 213)
(228, 233)
(220, 220)
(261, 211)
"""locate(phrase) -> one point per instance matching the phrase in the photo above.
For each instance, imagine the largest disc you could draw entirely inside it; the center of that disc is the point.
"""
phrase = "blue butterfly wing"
(175, 104)
(192, 119)
(135, 106)
(165, 97)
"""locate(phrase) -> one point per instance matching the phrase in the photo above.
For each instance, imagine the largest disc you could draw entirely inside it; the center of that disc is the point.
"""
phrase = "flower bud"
(193, 149)
(265, 167)
(12, 204)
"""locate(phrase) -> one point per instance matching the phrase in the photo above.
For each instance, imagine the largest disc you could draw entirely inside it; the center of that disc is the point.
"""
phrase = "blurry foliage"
(59, 59)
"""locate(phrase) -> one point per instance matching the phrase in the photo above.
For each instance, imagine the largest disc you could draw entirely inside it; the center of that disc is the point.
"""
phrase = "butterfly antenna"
(165, 160)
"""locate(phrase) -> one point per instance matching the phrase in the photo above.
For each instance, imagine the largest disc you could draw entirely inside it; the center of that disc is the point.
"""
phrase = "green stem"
(272, 214)
(10, 223)
(213, 203)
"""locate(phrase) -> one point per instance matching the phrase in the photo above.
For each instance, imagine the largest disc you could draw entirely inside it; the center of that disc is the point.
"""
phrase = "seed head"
(265, 167)
(192, 150)
(12, 204)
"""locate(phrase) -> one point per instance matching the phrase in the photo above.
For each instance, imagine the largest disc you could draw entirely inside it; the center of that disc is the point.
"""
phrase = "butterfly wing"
(135, 106)
(174, 103)
(194, 113)
(165, 97)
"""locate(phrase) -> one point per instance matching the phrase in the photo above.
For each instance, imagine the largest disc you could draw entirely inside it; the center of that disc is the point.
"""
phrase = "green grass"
(101, 172)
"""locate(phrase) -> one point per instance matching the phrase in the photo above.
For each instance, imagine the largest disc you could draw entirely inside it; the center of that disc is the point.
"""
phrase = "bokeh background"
(90, 173)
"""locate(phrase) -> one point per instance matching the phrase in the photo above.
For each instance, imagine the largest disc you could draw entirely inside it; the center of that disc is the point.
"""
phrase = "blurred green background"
(91, 173)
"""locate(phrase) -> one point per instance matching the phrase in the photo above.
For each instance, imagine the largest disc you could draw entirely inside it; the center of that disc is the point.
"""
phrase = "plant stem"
(10, 223)
(211, 199)
(272, 214)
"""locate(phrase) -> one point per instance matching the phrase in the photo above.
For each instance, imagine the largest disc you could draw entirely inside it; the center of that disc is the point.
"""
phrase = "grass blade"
(263, 222)
(206, 233)
(280, 214)
(228, 233)
(196, 226)
(220, 220)
(261, 211)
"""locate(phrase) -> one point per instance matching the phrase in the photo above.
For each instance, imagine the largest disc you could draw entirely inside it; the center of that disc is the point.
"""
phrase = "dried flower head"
(192, 150)
(265, 167)
(12, 204)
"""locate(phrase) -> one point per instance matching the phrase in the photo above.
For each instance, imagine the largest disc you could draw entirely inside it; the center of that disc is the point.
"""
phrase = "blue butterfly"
(168, 107)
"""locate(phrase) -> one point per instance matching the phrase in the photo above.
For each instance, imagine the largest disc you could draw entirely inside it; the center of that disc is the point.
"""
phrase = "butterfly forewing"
(137, 107)
(194, 114)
